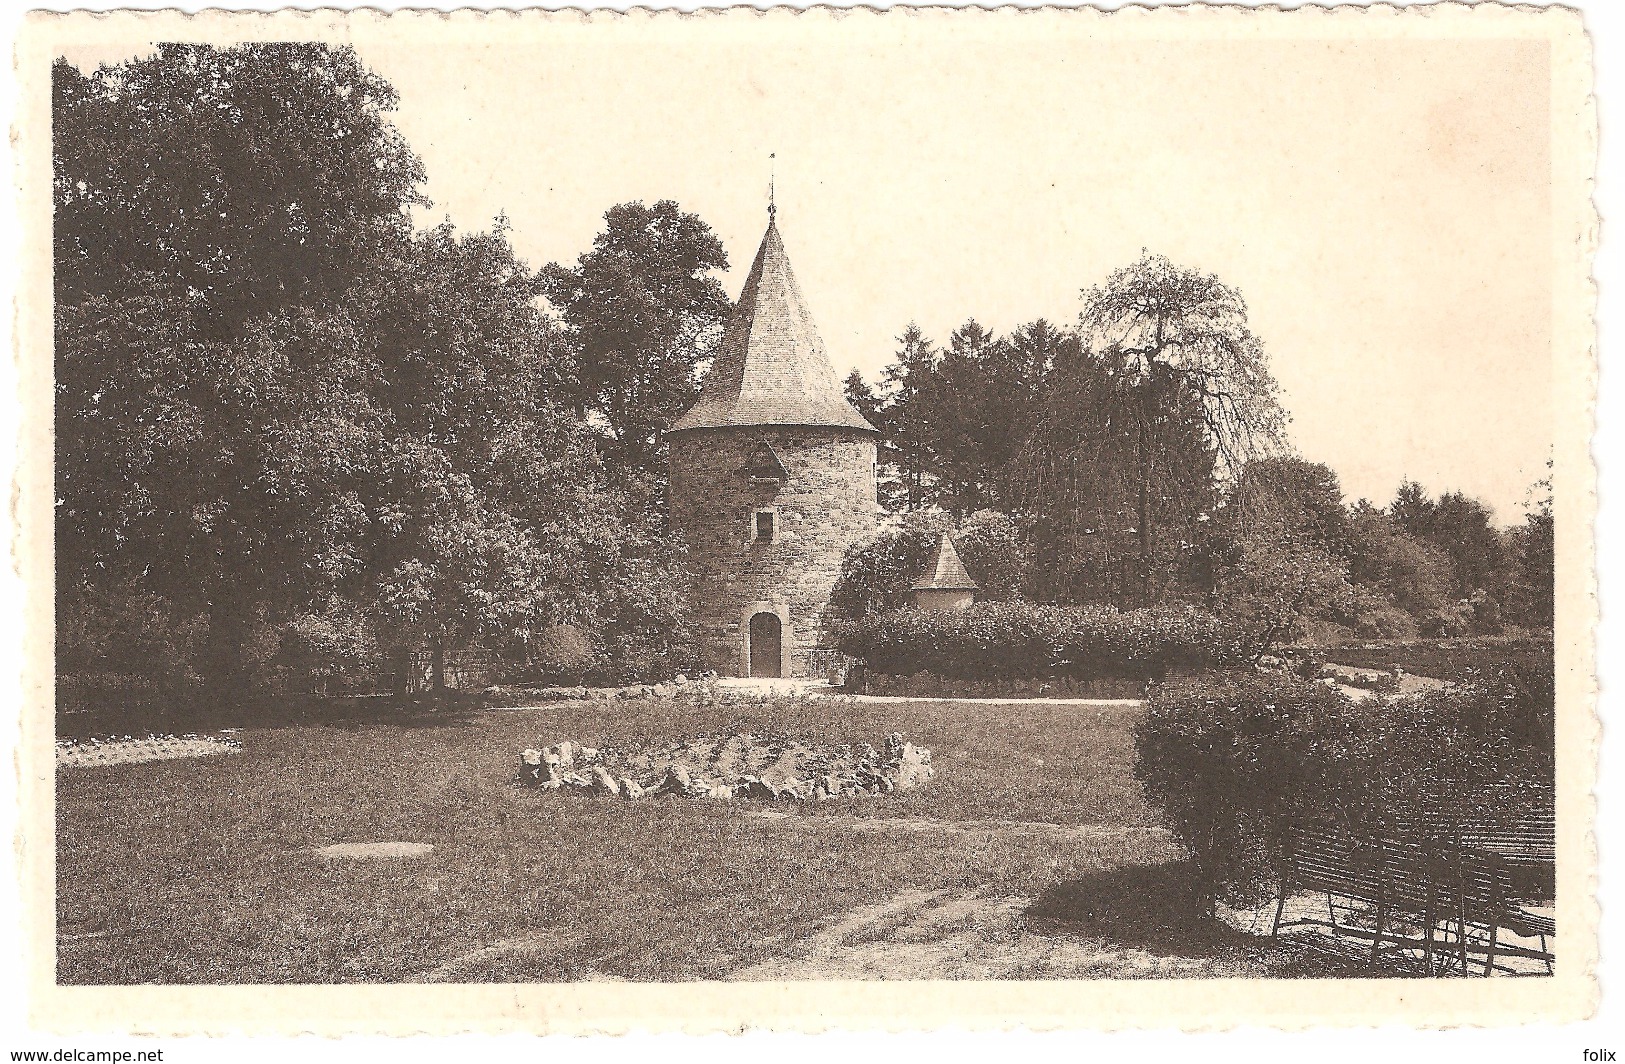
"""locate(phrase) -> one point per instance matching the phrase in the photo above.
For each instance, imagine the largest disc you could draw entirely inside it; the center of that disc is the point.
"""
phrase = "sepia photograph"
(1037, 498)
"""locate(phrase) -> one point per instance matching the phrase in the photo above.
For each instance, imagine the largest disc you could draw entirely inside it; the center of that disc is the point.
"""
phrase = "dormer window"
(764, 466)
(764, 527)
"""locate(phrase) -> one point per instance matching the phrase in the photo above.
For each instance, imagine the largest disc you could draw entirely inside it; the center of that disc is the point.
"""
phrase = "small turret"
(945, 585)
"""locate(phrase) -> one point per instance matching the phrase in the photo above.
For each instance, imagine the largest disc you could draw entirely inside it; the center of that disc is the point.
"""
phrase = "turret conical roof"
(947, 572)
(771, 368)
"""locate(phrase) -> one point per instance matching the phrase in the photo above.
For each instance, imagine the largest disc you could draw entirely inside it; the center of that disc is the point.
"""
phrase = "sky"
(1383, 206)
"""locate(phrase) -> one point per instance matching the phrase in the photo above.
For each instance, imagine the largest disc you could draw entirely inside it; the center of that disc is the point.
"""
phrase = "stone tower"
(772, 479)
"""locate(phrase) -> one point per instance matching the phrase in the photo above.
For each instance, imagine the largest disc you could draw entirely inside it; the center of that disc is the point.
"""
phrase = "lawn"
(1032, 839)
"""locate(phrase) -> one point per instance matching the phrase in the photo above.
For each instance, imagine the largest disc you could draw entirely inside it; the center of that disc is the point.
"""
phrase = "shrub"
(990, 545)
(643, 626)
(563, 651)
(876, 574)
(1022, 640)
(123, 653)
(1234, 764)
(328, 650)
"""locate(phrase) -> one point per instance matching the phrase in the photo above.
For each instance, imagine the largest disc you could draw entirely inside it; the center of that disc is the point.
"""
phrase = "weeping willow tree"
(1168, 396)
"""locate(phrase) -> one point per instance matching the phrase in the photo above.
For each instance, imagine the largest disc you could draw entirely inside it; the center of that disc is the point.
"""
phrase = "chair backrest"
(1402, 870)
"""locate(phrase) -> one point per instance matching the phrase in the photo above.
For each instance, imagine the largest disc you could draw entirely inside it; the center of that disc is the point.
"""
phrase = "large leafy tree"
(462, 348)
(1279, 547)
(1294, 497)
(497, 517)
(465, 568)
(972, 407)
(214, 209)
(1274, 591)
(245, 179)
(953, 419)
(1462, 528)
(1175, 327)
(1409, 584)
(906, 483)
(225, 477)
(643, 310)
(279, 410)
(1531, 596)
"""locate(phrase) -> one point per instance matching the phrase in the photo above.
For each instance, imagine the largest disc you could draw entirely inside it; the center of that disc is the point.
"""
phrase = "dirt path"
(820, 689)
(926, 825)
(946, 934)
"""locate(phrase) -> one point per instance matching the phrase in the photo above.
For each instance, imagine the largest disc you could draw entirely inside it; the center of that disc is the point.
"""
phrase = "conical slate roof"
(771, 368)
(948, 573)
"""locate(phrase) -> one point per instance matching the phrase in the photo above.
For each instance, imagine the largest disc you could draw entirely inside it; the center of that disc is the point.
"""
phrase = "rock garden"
(731, 766)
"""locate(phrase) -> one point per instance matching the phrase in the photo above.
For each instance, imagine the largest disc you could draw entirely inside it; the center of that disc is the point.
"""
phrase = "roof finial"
(772, 208)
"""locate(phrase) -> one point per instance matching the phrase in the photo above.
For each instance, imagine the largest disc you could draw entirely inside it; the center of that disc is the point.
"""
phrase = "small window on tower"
(766, 525)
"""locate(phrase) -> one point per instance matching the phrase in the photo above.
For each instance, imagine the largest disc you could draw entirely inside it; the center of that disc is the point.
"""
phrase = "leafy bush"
(121, 628)
(990, 545)
(1019, 639)
(563, 651)
(644, 626)
(330, 650)
(1234, 764)
(121, 650)
(878, 574)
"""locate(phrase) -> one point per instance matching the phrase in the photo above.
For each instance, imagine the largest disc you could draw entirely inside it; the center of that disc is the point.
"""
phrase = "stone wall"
(930, 685)
(827, 503)
(936, 598)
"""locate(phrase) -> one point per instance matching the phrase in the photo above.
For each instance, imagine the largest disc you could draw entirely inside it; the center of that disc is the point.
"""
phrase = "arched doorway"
(766, 644)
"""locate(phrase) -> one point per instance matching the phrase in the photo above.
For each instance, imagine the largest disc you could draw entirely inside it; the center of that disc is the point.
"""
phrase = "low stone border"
(681, 685)
(932, 685)
(725, 768)
(1377, 682)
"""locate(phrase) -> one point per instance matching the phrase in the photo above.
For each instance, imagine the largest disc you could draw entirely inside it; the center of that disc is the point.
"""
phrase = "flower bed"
(130, 750)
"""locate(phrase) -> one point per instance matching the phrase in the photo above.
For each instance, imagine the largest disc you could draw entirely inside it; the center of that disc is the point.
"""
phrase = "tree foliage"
(1178, 328)
(1115, 481)
(246, 179)
(293, 427)
(878, 574)
(643, 312)
(1410, 584)
(1530, 596)
(1141, 460)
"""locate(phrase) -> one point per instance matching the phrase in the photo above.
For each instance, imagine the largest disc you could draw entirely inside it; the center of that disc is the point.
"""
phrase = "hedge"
(1234, 764)
(1020, 640)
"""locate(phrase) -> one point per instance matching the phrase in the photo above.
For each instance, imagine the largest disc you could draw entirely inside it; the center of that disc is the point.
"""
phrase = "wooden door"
(766, 644)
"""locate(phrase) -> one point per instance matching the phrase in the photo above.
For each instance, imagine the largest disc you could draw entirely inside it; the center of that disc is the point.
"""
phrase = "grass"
(202, 871)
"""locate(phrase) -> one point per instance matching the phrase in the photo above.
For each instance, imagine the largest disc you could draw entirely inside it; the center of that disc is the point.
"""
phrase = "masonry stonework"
(772, 479)
(826, 503)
